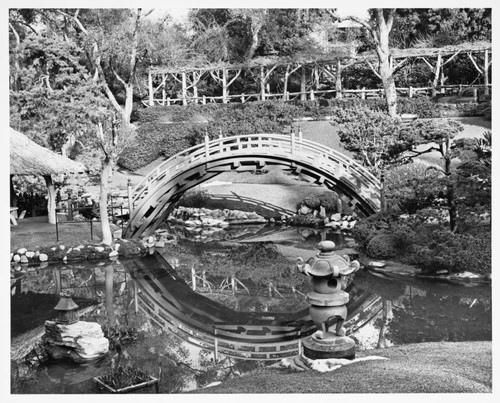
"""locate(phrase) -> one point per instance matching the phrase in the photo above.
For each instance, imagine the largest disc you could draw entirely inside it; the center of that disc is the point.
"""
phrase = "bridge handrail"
(291, 144)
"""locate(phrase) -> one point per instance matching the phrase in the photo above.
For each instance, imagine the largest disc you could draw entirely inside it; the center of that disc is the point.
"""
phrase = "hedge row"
(166, 130)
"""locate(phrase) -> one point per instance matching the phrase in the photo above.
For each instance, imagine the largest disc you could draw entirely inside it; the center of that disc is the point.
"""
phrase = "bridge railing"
(271, 144)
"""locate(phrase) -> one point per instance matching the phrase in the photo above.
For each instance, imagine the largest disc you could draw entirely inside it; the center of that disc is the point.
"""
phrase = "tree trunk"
(450, 191)
(106, 172)
(437, 74)
(129, 104)
(13, 196)
(255, 28)
(15, 78)
(303, 95)
(51, 199)
(338, 80)
(389, 87)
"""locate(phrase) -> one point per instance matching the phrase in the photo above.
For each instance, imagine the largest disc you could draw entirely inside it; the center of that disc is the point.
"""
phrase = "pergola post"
(486, 77)
(51, 198)
(195, 87)
(262, 84)
(224, 85)
(184, 89)
(151, 91)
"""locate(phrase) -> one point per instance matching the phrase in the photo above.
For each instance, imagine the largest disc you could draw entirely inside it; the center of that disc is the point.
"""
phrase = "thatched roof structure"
(29, 158)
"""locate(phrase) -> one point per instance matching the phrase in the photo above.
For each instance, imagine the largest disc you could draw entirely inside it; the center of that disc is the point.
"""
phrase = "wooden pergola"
(312, 71)
(29, 158)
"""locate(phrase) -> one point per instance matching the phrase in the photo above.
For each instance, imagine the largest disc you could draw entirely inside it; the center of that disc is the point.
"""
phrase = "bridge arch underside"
(160, 200)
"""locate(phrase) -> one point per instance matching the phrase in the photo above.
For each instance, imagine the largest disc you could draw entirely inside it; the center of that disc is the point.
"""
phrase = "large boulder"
(81, 341)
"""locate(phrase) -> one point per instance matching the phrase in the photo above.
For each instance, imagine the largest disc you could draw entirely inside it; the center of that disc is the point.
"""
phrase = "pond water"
(205, 310)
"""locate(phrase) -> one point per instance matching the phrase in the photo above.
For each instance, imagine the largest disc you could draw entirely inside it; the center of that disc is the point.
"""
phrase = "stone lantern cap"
(327, 262)
(65, 303)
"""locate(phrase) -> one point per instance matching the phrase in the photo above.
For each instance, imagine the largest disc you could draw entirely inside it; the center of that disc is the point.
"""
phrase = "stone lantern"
(328, 301)
(66, 308)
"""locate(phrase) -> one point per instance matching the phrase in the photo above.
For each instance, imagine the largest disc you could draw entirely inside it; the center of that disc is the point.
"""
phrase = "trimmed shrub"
(196, 198)
(330, 201)
(412, 186)
(382, 246)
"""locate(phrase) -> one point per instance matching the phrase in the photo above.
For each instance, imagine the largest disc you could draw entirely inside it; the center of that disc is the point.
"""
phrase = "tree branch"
(416, 154)
(135, 44)
(390, 18)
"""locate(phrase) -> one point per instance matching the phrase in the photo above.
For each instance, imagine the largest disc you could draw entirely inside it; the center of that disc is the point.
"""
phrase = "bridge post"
(292, 143)
(129, 196)
(382, 192)
(136, 303)
(193, 278)
(207, 147)
(216, 347)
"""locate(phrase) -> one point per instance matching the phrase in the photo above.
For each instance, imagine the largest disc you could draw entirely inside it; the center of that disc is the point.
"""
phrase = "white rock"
(336, 217)
(21, 251)
(43, 257)
(304, 210)
(113, 253)
(30, 254)
(160, 244)
(24, 259)
(375, 263)
(16, 258)
(65, 259)
(62, 247)
(99, 249)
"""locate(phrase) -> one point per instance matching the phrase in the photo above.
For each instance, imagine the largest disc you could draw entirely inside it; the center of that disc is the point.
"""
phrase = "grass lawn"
(446, 367)
(34, 233)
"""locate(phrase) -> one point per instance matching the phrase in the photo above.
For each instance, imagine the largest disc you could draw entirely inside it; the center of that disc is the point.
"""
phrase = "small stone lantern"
(66, 308)
(328, 302)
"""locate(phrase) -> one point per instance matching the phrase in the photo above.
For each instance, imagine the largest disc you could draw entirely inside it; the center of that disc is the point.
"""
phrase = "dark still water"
(201, 312)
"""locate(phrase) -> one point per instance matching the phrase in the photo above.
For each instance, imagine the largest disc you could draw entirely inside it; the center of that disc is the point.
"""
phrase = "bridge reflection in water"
(172, 304)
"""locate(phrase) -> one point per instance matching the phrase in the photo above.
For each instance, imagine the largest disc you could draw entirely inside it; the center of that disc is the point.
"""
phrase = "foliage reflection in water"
(254, 280)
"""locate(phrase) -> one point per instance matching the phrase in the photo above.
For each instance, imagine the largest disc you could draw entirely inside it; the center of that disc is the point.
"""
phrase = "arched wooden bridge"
(155, 196)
